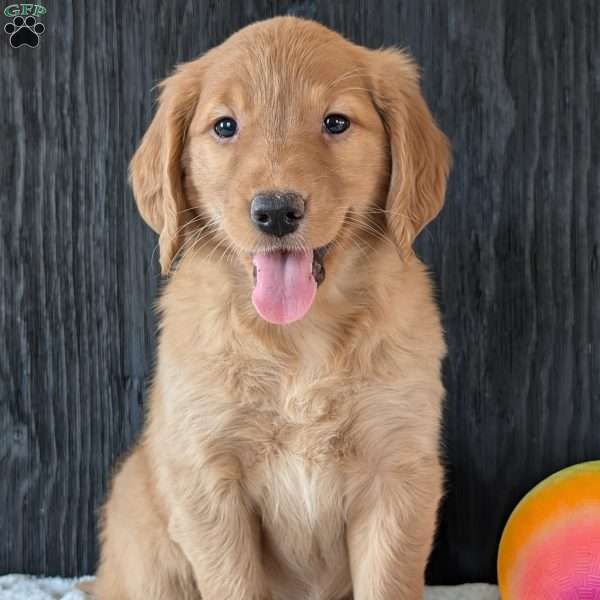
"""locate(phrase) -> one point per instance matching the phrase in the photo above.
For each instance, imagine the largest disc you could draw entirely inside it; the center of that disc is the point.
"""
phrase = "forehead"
(293, 63)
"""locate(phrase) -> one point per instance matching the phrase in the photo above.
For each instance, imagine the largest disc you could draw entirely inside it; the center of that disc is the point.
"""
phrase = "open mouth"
(286, 282)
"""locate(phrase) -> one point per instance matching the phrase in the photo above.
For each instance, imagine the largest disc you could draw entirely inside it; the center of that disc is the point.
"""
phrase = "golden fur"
(296, 462)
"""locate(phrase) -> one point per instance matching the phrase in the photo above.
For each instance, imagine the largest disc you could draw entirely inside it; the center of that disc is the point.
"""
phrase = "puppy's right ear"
(155, 171)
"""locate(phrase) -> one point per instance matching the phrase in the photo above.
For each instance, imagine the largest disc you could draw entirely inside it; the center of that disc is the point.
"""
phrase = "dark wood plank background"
(515, 84)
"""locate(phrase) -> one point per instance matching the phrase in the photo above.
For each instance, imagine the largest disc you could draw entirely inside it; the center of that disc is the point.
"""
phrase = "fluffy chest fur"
(287, 441)
(293, 461)
(302, 517)
(295, 440)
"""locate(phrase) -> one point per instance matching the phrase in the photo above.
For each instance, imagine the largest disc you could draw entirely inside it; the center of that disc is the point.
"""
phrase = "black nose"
(277, 213)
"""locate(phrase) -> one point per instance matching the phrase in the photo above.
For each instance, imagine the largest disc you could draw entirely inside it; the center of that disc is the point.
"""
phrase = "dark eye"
(336, 123)
(226, 127)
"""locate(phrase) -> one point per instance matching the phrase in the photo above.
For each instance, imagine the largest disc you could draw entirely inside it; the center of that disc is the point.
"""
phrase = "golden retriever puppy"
(291, 446)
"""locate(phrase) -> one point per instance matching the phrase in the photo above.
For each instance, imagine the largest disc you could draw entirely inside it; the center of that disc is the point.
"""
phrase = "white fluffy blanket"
(25, 587)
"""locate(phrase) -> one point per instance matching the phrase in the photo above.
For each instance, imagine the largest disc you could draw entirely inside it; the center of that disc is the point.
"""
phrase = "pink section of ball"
(563, 563)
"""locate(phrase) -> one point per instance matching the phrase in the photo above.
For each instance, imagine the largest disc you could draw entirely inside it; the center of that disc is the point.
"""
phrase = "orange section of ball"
(560, 515)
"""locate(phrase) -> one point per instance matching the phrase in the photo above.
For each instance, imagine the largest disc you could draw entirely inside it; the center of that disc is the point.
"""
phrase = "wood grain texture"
(515, 253)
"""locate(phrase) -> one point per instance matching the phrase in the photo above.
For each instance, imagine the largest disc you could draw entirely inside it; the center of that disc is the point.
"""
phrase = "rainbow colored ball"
(550, 548)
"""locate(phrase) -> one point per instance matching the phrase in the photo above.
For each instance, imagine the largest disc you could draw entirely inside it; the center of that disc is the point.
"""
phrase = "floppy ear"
(420, 154)
(155, 170)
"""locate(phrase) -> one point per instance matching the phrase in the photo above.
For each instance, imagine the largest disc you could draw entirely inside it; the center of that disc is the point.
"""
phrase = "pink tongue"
(285, 286)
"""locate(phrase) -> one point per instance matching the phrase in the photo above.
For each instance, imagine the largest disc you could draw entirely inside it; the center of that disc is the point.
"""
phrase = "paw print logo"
(24, 32)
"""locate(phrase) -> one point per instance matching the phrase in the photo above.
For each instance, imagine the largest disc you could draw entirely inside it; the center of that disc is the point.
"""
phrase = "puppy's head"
(281, 146)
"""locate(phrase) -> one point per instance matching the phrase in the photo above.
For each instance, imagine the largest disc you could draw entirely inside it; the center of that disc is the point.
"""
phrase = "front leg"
(391, 523)
(220, 534)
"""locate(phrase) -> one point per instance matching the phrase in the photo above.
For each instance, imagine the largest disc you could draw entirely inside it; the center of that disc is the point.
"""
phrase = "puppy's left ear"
(420, 153)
